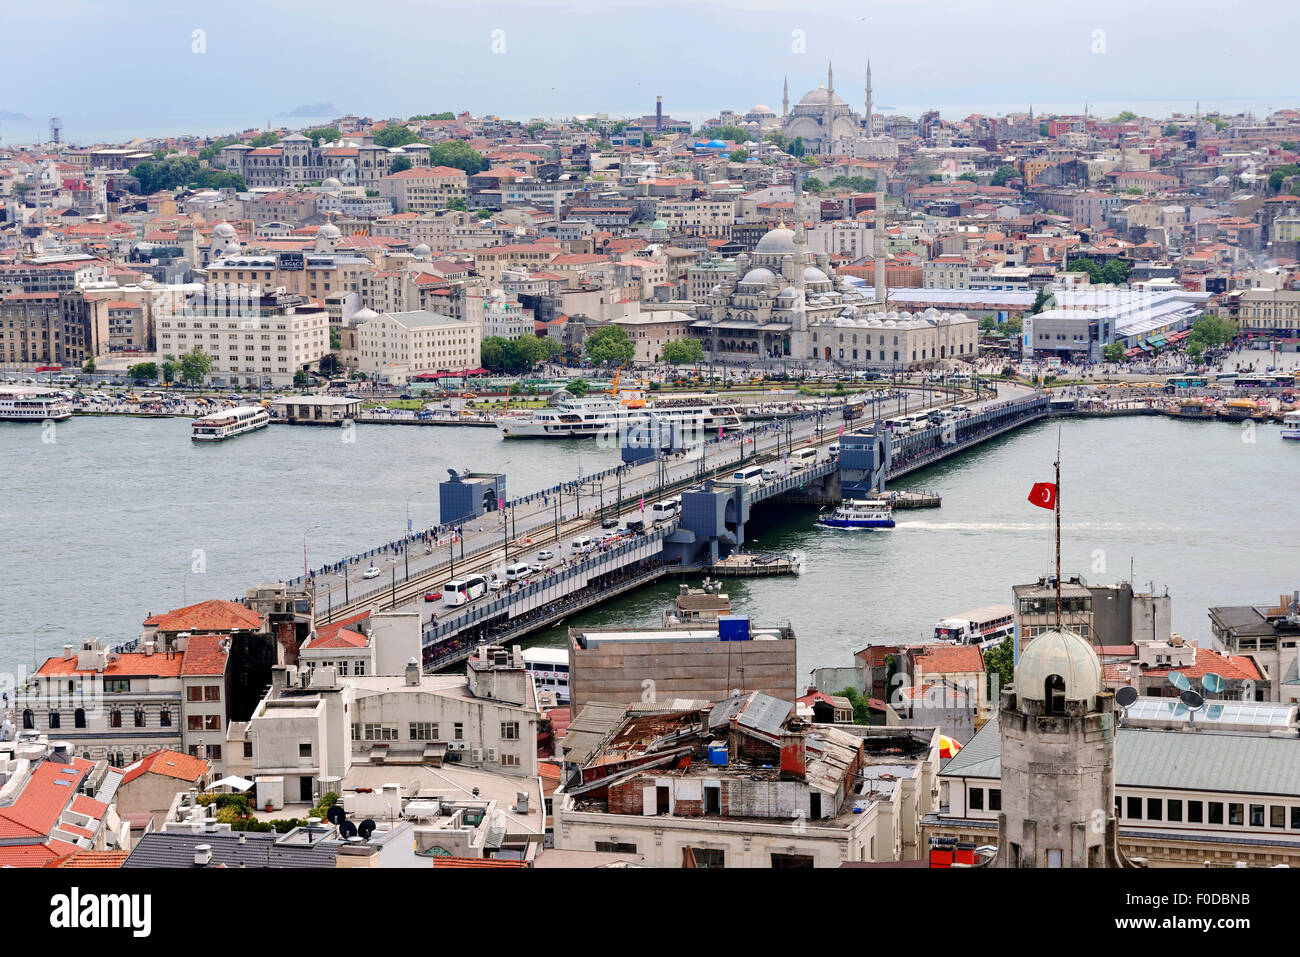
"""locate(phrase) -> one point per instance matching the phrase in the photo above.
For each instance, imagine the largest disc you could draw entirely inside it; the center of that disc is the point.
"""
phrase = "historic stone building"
(821, 117)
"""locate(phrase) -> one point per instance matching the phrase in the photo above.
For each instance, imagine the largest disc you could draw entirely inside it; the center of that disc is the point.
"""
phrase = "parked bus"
(461, 591)
(750, 476)
(802, 458)
(1175, 382)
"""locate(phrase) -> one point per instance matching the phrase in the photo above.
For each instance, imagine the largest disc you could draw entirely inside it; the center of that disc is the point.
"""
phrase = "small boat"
(859, 513)
(18, 404)
(1193, 409)
(1238, 410)
(1291, 425)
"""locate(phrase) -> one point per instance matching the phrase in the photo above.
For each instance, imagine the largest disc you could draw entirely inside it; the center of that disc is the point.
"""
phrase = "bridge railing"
(553, 584)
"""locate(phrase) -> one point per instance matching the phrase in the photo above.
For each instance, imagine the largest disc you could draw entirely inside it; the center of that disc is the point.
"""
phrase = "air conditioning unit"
(476, 755)
(491, 754)
(455, 745)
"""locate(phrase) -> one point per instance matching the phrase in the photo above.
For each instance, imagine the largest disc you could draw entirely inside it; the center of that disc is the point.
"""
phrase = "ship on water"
(33, 405)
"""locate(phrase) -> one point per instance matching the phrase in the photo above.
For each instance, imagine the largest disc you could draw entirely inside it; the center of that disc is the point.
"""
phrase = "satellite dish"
(1179, 681)
(1125, 697)
(365, 829)
(347, 830)
(336, 815)
(1192, 700)
(1212, 683)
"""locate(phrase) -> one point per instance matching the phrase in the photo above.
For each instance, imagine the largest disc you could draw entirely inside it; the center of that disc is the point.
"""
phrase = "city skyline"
(533, 62)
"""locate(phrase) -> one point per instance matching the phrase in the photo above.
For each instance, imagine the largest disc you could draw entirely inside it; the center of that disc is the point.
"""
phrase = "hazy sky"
(108, 67)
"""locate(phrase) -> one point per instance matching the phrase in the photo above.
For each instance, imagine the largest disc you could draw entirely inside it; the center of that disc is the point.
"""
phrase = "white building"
(396, 345)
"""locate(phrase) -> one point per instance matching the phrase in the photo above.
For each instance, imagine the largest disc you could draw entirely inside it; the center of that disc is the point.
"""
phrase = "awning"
(233, 781)
(1133, 352)
(1180, 336)
(1146, 346)
(1157, 341)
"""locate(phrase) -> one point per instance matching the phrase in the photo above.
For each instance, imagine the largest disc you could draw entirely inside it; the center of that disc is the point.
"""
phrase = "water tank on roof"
(733, 628)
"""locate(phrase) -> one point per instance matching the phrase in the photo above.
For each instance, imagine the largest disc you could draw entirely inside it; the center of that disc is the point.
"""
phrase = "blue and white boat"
(854, 514)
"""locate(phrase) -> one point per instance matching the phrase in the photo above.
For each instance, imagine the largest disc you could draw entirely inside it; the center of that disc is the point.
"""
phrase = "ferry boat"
(1193, 409)
(573, 417)
(33, 405)
(1291, 425)
(856, 514)
(549, 668)
(1238, 410)
(987, 627)
(216, 426)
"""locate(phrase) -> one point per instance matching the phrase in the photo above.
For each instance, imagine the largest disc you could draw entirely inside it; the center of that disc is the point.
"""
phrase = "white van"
(516, 572)
(834, 450)
(769, 474)
(581, 544)
(803, 457)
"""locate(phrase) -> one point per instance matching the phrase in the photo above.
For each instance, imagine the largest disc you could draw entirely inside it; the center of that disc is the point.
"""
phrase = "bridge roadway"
(538, 523)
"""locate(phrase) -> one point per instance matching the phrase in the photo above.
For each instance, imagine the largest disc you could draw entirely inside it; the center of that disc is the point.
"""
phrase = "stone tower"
(870, 130)
(1057, 724)
(785, 100)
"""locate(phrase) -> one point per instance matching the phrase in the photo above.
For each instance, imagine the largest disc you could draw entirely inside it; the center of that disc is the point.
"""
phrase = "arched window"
(79, 718)
(115, 718)
(29, 719)
(139, 717)
(165, 717)
(54, 718)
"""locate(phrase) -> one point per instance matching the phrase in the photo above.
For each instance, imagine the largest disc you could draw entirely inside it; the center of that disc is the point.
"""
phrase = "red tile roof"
(45, 796)
(948, 659)
(343, 638)
(211, 615)
(205, 655)
(170, 764)
(129, 665)
(91, 859)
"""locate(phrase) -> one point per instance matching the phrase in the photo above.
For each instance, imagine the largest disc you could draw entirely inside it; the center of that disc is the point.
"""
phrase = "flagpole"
(1058, 532)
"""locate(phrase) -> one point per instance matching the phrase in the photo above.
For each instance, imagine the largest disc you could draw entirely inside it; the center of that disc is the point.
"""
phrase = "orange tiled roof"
(948, 659)
(204, 655)
(170, 764)
(91, 859)
(49, 790)
(211, 615)
(128, 665)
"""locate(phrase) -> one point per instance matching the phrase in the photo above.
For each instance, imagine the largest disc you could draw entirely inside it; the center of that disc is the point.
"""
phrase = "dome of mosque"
(776, 242)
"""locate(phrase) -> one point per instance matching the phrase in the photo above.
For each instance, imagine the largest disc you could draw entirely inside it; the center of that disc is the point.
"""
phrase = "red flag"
(1043, 494)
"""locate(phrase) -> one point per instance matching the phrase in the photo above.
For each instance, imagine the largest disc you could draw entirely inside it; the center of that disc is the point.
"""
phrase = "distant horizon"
(1260, 106)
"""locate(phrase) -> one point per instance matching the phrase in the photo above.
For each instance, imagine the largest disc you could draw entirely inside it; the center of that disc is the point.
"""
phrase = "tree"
(609, 345)
(861, 705)
(1113, 352)
(969, 177)
(266, 139)
(336, 339)
(1195, 350)
(860, 184)
(1171, 129)
(1044, 300)
(484, 214)
(796, 147)
(578, 387)
(1114, 272)
(733, 134)
(525, 353)
(987, 324)
(169, 369)
(457, 204)
(196, 365)
(492, 353)
(1125, 116)
(683, 351)
(89, 367)
(813, 185)
(394, 135)
(208, 153)
(1289, 145)
(1000, 665)
(1280, 175)
(399, 164)
(777, 139)
(1042, 129)
(532, 129)
(1013, 326)
(459, 155)
(300, 378)
(143, 370)
(1134, 191)
(327, 134)
(739, 155)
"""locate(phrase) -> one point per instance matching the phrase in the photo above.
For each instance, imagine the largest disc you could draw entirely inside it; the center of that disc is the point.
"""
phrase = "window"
(115, 718)
(248, 749)
(212, 692)
(1174, 809)
(165, 717)
(1276, 816)
(509, 730)
(214, 752)
(995, 799)
(29, 719)
(1154, 809)
(458, 731)
(1216, 812)
(194, 693)
(1134, 809)
(510, 760)
(1195, 812)
(1257, 815)
(423, 731)
(380, 732)
(613, 847)
(304, 749)
(709, 857)
(79, 718)
(117, 685)
(54, 719)
(1236, 814)
(194, 722)
(977, 799)
(139, 717)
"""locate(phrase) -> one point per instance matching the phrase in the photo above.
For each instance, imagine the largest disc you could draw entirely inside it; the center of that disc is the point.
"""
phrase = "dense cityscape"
(817, 485)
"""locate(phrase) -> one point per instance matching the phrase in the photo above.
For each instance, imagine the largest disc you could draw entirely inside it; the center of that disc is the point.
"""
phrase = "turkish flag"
(1043, 494)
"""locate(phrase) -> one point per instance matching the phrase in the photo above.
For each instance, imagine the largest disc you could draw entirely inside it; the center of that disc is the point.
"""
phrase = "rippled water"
(106, 525)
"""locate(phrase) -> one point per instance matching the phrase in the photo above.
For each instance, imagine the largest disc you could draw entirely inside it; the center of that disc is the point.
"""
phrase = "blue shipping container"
(733, 628)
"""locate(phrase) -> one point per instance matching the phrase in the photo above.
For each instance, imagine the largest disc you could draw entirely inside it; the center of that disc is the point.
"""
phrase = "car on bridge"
(432, 595)
(545, 555)
(371, 572)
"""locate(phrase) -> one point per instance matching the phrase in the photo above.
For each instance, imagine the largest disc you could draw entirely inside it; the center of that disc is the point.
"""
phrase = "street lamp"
(304, 552)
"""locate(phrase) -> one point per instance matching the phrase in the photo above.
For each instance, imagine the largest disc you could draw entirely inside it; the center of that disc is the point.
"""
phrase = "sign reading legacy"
(292, 262)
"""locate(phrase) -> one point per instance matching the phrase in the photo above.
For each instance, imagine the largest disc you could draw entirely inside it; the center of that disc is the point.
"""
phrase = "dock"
(902, 499)
(748, 565)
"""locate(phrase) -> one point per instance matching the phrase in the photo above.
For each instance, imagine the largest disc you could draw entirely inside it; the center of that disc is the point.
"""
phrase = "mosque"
(821, 117)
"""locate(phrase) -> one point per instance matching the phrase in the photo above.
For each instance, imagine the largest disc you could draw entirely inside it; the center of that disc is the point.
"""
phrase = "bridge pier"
(711, 525)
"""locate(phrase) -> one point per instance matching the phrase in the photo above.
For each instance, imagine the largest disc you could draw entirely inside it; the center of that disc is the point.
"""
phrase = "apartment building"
(1270, 312)
(422, 190)
(399, 344)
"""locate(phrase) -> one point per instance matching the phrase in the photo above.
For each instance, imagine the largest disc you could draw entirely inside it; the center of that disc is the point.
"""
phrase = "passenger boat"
(987, 626)
(573, 417)
(33, 405)
(216, 426)
(1237, 410)
(1291, 425)
(1193, 409)
(861, 513)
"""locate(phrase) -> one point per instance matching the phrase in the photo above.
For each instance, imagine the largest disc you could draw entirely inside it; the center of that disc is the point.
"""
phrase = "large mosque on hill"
(820, 118)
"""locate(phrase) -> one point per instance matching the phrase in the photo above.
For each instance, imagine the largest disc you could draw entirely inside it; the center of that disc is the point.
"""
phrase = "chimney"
(67, 652)
(149, 648)
(794, 756)
(412, 673)
(202, 855)
(59, 752)
(521, 802)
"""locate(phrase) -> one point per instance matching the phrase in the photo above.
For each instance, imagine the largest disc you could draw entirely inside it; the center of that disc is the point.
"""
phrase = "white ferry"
(33, 405)
(216, 426)
(1291, 425)
(987, 626)
(572, 417)
(854, 514)
(549, 668)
